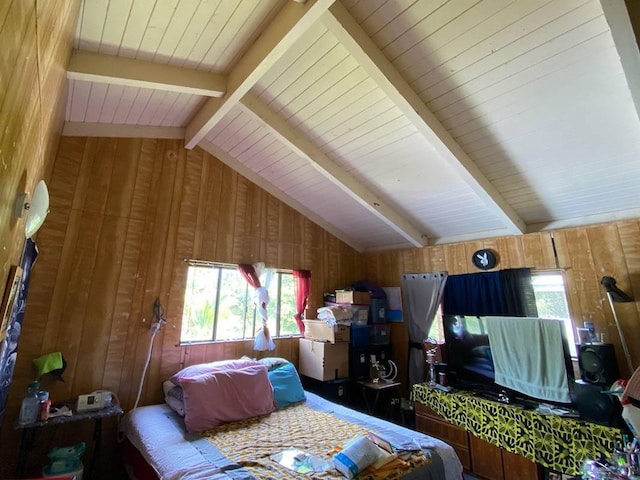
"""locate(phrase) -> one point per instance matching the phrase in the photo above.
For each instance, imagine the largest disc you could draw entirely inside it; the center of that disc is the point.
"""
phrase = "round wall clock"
(484, 259)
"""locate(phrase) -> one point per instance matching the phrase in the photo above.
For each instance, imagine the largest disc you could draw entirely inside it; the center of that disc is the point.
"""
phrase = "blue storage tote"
(359, 336)
(380, 334)
(377, 310)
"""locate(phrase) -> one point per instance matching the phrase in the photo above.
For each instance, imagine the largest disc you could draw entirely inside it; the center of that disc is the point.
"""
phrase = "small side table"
(378, 388)
(29, 430)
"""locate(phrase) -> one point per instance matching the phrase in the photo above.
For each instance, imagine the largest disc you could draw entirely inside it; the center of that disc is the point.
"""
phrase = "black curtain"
(505, 292)
(518, 296)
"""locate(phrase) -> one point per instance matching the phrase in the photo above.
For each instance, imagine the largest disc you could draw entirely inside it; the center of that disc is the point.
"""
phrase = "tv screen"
(468, 353)
(470, 360)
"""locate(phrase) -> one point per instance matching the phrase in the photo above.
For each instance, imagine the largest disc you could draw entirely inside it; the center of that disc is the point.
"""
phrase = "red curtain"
(301, 288)
(250, 275)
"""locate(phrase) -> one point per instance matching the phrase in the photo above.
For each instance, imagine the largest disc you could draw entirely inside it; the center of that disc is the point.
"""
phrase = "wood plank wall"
(584, 254)
(125, 213)
(36, 45)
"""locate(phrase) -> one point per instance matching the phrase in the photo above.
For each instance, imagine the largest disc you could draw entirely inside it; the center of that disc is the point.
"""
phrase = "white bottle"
(30, 405)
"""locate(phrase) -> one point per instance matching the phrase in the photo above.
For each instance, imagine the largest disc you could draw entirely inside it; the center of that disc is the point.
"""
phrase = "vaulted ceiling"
(390, 123)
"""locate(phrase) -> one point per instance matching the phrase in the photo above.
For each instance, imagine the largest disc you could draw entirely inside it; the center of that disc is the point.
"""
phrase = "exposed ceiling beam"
(300, 144)
(617, 15)
(95, 67)
(254, 177)
(112, 130)
(361, 47)
(289, 25)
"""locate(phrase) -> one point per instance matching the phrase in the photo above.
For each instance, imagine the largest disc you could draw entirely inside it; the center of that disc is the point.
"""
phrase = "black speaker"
(595, 406)
(597, 362)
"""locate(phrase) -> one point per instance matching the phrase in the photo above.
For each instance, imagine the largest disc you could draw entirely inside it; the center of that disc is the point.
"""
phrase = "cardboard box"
(349, 296)
(320, 330)
(322, 360)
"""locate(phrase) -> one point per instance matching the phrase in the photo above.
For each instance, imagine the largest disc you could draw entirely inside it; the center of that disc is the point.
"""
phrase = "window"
(551, 301)
(218, 305)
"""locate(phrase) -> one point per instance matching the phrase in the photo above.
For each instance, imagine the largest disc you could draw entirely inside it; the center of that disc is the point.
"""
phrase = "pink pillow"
(200, 368)
(222, 396)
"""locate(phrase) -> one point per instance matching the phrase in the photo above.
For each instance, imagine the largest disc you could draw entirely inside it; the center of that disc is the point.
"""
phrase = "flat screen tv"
(470, 363)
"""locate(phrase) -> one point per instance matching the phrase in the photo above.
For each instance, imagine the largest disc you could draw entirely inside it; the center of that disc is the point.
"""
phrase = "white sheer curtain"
(422, 294)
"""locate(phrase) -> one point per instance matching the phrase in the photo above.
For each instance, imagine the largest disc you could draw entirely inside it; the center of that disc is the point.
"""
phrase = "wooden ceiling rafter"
(286, 28)
(131, 72)
(303, 147)
(340, 22)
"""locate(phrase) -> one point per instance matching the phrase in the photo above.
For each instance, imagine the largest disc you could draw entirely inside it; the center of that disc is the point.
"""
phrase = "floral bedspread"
(251, 443)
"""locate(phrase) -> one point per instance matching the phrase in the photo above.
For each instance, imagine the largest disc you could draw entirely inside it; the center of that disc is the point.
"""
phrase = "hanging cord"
(157, 321)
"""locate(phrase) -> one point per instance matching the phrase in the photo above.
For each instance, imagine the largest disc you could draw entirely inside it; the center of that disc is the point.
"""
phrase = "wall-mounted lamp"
(36, 210)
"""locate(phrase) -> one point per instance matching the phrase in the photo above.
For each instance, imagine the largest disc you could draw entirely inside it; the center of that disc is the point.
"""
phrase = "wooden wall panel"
(125, 215)
(585, 255)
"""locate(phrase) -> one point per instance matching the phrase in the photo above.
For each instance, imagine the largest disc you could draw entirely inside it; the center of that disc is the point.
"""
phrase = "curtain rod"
(208, 263)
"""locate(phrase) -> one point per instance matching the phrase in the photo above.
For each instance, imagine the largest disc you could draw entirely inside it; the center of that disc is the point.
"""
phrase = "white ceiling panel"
(390, 123)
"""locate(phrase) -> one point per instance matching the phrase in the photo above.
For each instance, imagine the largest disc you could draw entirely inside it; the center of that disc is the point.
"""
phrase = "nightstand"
(385, 389)
(29, 430)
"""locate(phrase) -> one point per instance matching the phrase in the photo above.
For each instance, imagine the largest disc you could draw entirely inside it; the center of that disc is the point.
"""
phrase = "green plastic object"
(59, 467)
(74, 452)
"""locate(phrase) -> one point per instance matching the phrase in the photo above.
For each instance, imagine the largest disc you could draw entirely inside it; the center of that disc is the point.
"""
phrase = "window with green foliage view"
(218, 305)
(551, 301)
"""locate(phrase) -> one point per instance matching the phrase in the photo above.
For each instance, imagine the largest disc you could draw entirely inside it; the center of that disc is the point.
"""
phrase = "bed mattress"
(158, 433)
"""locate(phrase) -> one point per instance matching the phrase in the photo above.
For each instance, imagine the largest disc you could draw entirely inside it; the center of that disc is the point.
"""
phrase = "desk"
(378, 388)
(29, 431)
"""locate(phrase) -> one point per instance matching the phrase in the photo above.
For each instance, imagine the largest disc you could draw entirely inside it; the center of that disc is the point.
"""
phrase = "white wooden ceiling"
(391, 123)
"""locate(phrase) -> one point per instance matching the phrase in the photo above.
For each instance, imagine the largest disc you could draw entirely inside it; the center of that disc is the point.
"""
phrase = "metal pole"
(622, 340)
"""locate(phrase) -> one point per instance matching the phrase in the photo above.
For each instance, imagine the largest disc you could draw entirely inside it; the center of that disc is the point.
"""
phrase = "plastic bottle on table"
(30, 407)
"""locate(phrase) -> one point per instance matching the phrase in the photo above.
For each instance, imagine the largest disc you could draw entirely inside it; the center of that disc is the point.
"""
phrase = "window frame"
(248, 316)
(571, 324)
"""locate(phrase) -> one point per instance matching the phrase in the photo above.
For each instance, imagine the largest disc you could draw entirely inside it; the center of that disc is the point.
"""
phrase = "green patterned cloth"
(559, 443)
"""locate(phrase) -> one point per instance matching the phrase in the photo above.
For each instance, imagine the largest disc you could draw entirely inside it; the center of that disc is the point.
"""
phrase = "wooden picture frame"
(9, 298)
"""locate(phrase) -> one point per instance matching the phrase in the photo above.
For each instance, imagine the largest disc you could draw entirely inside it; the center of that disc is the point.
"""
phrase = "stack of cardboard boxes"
(324, 352)
(331, 357)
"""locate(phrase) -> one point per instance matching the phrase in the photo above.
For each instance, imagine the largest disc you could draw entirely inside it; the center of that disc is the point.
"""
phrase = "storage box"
(382, 352)
(339, 391)
(320, 330)
(377, 310)
(359, 336)
(322, 360)
(380, 334)
(350, 296)
(359, 362)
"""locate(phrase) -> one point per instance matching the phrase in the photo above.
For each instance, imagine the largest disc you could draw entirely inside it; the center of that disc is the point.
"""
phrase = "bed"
(158, 444)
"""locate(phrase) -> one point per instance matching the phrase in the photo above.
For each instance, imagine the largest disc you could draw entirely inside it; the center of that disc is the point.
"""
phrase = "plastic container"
(377, 310)
(631, 416)
(359, 335)
(30, 408)
(75, 474)
(380, 334)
